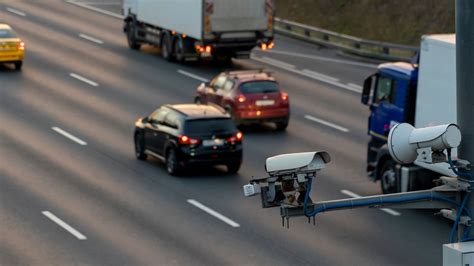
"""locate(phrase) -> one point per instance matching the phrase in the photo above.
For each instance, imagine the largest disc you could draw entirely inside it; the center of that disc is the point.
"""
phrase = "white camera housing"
(296, 163)
(404, 140)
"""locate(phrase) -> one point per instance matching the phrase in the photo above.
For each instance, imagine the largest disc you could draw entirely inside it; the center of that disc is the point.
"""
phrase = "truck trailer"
(194, 29)
(422, 94)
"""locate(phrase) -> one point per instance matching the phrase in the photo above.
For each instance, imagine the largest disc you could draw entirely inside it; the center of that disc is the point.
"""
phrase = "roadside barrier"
(346, 43)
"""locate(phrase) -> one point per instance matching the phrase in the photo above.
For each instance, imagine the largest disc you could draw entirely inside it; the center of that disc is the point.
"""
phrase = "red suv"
(248, 96)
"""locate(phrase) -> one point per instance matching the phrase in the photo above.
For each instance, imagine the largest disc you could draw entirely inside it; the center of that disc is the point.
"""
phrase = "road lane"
(104, 116)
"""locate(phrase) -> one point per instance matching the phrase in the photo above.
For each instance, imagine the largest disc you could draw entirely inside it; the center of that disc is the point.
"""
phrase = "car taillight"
(241, 98)
(21, 46)
(236, 138)
(185, 140)
(284, 96)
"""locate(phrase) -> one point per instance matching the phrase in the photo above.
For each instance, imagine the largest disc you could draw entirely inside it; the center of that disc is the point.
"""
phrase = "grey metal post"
(465, 82)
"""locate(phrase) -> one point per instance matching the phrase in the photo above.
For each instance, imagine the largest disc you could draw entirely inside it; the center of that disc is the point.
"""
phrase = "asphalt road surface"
(72, 192)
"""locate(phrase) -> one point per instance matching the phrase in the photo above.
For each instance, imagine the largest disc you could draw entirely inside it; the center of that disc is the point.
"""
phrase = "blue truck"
(422, 94)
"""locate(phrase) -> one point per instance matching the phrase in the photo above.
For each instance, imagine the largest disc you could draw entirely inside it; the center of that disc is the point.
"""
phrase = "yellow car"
(12, 49)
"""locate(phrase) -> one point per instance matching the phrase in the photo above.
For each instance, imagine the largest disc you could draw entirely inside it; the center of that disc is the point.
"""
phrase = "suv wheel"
(198, 100)
(139, 148)
(281, 126)
(172, 165)
(233, 168)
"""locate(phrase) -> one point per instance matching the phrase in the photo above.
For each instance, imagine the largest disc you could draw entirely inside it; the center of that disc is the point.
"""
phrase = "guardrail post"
(386, 50)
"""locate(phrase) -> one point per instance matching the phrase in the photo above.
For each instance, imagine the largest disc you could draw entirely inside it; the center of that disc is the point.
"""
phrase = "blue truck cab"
(390, 94)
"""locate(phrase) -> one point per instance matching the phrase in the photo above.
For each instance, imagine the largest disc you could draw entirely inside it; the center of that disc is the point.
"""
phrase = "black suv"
(189, 134)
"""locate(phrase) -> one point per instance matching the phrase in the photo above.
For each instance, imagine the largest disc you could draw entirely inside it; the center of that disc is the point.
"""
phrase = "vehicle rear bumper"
(274, 115)
(210, 159)
(11, 57)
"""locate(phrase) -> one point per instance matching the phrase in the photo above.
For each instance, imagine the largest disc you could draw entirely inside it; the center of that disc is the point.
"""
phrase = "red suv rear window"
(259, 87)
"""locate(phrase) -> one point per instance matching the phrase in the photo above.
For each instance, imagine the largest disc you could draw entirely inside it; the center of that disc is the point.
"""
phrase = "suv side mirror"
(369, 83)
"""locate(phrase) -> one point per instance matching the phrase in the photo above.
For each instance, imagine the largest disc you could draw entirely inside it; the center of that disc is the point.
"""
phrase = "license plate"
(205, 54)
(213, 142)
(265, 102)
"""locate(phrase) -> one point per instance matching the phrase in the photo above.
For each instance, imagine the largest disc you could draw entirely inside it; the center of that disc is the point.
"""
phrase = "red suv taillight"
(241, 98)
(284, 96)
(185, 140)
(236, 138)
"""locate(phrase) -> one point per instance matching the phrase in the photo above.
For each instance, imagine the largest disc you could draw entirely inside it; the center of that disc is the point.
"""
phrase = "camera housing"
(296, 163)
(406, 142)
(287, 182)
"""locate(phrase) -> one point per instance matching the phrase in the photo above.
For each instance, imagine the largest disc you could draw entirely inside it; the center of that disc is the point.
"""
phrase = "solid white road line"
(322, 76)
(354, 195)
(83, 79)
(69, 136)
(290, 69)
(355, 86)
(191, 75)
(322, 58)
(272, 61)
(102, 11)
(64, 225)
(213, 213)
(326, 123)
(89, 38)
(14, 11)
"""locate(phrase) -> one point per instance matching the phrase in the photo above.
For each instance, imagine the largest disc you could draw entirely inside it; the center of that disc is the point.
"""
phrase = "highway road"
(72, 192)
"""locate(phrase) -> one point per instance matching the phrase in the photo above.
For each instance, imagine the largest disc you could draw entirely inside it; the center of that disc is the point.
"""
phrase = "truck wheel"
(132, 41)
(166, 48)
(388, 177)
(198, 100)
(179, 50)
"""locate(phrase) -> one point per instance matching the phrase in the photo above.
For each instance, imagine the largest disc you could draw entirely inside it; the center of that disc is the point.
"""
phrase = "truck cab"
(422, 94)
(390, 94)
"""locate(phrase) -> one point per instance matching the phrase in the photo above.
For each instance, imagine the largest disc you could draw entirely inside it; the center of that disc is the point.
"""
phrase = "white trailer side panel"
(436, 93)
(182, 16)
(239, 15)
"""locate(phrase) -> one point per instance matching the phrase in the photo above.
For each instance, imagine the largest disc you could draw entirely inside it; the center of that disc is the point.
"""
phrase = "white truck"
(193, 29)
(421, 94)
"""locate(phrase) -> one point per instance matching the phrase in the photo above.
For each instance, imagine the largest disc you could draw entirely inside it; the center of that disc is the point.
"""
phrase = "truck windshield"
(385, 90)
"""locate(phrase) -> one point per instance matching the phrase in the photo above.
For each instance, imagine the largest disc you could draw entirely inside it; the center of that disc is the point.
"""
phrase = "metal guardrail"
(346, 43)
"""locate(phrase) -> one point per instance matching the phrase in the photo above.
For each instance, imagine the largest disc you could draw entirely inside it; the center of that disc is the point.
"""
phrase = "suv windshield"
(209, 126)
(259, 87)
(7, 33)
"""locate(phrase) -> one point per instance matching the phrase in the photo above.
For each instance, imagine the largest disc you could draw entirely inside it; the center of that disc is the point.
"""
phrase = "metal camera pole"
(465, 83)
